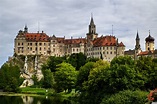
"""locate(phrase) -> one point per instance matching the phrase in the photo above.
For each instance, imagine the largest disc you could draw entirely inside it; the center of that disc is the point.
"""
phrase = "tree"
(95, 87)
(77, 60)
(126, 97)
(148, 69)
(123, 75)
(52, 62)
(65, 77)
(48, 80)
(10, 78)
(83, 75)
(92, 59)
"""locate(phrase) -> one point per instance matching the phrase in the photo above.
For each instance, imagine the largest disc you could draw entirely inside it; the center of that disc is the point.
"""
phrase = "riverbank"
(28, 91)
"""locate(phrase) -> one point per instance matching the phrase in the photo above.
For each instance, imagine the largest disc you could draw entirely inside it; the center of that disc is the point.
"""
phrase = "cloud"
(71, 18)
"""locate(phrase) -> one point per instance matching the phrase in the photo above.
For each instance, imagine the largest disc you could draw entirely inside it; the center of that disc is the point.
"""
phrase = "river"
(33, 100)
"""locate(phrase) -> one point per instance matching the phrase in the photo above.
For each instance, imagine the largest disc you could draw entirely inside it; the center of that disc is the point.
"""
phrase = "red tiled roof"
(121, 44)
(37, 37)
(60, 40)
(106, 41)
(146, 52)
(75, 41)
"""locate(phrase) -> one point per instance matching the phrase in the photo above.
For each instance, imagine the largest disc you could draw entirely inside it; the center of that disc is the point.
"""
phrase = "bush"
(126, 97)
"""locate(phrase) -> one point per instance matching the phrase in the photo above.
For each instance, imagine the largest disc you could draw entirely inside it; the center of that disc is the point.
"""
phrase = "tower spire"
(149, 32)
(91, 35)
(92, 21)
(25, 28)
(137, 46)
(137, 36)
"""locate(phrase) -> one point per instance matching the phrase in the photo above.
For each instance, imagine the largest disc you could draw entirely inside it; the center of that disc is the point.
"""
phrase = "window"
(40, 44)
(114, 48)
(107, 52)
(40, 48)
(18, 43)
(36, 44)
(110, 48)
(44, 44)
(36, 48)
(31, 48)
(107, 48)
(111, 52)
(30, 44)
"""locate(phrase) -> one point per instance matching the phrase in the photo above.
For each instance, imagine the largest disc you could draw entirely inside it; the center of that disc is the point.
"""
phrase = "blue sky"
(71, 18)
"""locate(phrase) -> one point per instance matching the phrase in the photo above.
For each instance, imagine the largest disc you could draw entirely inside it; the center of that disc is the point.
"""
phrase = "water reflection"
(34, 100)
(27, 99)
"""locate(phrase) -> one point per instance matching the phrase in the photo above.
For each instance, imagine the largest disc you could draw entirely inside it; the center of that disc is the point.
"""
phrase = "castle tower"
(26, 29)
(91, 35)
(149, 43)
(137, 46)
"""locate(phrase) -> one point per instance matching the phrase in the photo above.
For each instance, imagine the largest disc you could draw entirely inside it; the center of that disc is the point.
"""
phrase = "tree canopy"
(10, 78)
(65, 77)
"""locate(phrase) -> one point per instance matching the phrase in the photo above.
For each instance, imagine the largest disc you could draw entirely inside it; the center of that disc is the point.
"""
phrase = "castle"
(149, 48)
(105, 47)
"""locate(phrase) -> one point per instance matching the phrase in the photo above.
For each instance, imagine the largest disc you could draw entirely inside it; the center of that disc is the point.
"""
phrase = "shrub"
(126, 97)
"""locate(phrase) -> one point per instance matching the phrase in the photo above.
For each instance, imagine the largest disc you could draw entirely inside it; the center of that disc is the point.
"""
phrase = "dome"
(149, 38)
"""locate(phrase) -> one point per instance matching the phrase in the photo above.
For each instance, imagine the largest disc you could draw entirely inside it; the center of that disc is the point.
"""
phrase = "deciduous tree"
(65, 77)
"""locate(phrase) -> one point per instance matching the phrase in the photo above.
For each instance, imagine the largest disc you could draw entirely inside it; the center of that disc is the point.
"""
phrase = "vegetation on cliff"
(94, 81)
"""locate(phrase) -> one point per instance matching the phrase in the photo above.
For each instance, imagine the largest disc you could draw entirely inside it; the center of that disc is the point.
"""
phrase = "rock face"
(27, 73)
(27, 82)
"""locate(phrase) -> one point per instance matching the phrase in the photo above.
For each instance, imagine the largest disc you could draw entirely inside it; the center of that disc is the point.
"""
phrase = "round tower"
(149, 43)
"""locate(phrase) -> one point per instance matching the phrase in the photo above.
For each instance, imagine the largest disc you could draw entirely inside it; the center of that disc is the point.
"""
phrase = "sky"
(72, 17)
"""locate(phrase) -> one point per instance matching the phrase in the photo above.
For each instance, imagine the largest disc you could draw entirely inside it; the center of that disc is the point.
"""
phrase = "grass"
(39, 91)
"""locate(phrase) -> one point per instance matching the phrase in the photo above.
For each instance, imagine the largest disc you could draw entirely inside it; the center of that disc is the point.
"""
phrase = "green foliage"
(48, 80)
(37, 84)
(123, 75)
(148, 69)
(92, 59)
(83, 75)
(52, 63)
(97, 76)
(10, 78)
(77, 60)
(126, 97)
(65, 77)
(97, 83)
